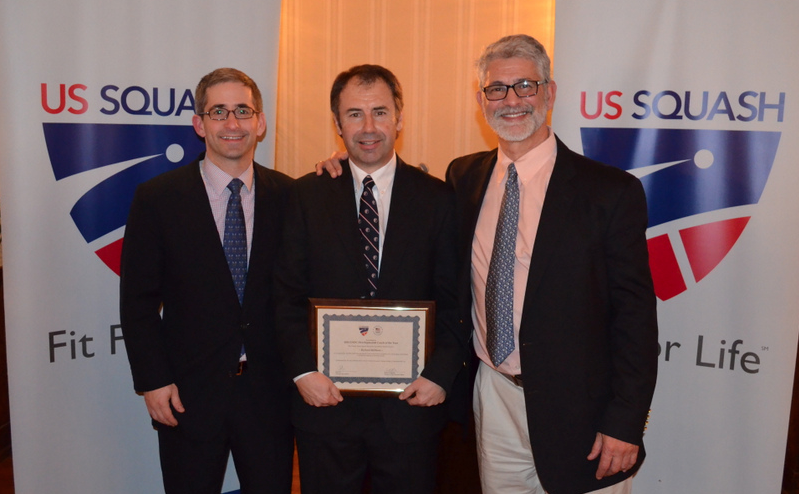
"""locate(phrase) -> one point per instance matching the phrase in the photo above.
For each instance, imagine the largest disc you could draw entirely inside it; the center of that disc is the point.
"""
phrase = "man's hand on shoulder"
(616, 455)
(332, 165)
(318, 390)
(158, 404)
(423, 393)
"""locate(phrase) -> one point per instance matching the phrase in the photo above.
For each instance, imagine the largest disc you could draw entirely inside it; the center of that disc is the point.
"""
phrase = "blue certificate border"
(328, 318)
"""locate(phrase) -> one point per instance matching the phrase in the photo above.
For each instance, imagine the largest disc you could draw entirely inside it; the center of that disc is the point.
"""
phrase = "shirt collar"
(531, 162)
(383, 177)
(219, 180)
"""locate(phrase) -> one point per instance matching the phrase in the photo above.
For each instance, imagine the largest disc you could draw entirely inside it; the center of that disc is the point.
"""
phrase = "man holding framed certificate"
(373, 253)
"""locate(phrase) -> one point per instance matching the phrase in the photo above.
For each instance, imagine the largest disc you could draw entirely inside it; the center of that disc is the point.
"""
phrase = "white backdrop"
(68, 164)
(698, 98)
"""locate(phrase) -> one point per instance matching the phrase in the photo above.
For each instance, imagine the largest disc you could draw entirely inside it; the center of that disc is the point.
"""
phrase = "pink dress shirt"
(534, 170)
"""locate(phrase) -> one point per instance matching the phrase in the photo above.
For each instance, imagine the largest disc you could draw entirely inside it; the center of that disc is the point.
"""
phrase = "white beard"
(518, 131)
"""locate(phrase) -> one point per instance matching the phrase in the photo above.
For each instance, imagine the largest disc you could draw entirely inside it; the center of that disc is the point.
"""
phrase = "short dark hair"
(365, 75)
(219, 76)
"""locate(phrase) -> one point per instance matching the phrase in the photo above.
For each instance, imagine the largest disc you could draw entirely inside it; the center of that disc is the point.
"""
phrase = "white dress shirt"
(384, 182)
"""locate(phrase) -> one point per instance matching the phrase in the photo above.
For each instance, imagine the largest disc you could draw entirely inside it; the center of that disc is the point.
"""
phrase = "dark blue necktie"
(499, 285)
(235, 239)
(369, 225)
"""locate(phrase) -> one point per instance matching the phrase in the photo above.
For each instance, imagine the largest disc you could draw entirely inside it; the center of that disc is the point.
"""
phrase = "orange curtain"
(431, 45)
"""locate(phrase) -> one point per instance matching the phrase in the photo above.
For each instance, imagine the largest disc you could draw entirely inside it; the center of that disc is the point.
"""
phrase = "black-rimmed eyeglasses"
(523, 89)
(220, 113)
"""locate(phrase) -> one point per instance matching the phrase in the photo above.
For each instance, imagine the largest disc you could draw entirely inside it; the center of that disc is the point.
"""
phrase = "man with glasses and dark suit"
(557, 288)
(196, 304)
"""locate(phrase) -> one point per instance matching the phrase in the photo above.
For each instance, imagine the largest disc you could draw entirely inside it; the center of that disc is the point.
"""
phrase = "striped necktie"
(369, 225)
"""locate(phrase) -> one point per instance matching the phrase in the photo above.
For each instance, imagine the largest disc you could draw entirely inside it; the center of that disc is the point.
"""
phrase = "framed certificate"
(371, 347)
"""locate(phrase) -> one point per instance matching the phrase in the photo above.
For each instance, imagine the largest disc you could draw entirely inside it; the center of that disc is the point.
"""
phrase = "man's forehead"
(371, 95)
(223, 92)
(511, 70)
(359, 86)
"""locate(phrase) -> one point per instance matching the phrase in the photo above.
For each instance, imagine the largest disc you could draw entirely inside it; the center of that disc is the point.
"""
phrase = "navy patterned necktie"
(235, 239)
(369, 225)
(499, 285)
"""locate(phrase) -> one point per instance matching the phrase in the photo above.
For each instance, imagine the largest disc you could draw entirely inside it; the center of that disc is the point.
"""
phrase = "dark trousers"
(262, 452)
(339, 462)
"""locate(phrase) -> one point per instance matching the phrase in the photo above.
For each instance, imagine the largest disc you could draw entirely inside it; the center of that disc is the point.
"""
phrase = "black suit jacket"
(588, 335)
(322, 258)
(172, 258)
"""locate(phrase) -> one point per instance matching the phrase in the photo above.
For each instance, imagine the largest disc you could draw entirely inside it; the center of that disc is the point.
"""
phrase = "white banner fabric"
(697, 98)
(97, 97)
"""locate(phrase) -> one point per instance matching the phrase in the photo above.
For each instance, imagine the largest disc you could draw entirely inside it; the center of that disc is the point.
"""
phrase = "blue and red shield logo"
(151, 149)
(687, 174)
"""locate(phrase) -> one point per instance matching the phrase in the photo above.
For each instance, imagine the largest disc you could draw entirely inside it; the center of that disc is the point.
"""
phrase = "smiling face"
(230, 144)
(368, 122)
(519, 122)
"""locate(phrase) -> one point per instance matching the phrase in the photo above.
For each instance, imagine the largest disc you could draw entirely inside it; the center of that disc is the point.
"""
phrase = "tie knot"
(512, 173)
(235, 186)
(368, 182)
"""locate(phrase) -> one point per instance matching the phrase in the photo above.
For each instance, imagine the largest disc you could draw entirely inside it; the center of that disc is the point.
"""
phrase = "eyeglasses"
(523, 89)
(220, 113)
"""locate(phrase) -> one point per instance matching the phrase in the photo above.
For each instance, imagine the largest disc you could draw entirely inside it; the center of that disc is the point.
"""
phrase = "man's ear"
(338, 125)
(552, 91)
(261, 124)
(197, 123)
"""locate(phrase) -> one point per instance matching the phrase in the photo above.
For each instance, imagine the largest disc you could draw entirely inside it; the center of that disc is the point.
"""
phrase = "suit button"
(244, 326)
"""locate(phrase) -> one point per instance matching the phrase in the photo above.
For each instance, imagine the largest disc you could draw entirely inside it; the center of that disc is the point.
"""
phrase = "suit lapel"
(479, 184)
(557, 202)
(400, 227)
(339, 204)
(264, 224)
(196, 198)
(473, 189)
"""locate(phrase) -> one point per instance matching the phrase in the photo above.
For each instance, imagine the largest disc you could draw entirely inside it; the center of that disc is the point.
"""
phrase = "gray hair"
(514, 46)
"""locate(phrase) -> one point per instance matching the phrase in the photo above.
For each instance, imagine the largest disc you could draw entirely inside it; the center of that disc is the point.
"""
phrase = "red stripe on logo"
(111, 255)
(706, 245)
(665, 269)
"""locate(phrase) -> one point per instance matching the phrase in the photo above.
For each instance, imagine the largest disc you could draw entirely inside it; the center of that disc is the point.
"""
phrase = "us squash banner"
(696, 98)
(98, 96)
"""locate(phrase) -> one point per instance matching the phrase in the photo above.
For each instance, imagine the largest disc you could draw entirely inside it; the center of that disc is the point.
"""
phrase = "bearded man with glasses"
(557, 289)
